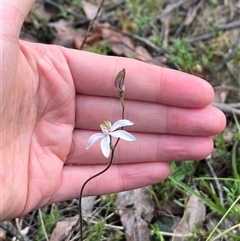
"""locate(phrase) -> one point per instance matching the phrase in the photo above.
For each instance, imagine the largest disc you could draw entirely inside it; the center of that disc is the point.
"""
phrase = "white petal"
(121, 123)
(123, 135)
(105, 146)
(93, 139)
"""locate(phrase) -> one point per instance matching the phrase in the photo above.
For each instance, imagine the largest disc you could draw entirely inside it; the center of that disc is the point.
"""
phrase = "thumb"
(12, 15)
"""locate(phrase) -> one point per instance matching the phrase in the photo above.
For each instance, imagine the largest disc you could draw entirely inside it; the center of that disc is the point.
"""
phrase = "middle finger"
(147, 117)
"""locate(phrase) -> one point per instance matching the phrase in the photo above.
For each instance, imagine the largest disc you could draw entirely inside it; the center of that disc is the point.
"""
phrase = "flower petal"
(121, 123)
(105, 146)
(123, 135)
(92, 139)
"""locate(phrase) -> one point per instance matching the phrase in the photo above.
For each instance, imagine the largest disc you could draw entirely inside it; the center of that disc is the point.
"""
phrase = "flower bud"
(119, 80)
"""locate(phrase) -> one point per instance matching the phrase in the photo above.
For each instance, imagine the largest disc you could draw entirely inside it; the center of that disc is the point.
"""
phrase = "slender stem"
(123, 109)
(83, 186)
(121, 98)
(94, 176)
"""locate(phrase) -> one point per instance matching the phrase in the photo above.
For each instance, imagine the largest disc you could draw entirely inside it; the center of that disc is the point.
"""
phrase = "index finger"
(95, 74)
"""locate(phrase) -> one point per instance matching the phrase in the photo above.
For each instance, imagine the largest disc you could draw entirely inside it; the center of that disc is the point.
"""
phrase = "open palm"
(53, 99)
(39, 117)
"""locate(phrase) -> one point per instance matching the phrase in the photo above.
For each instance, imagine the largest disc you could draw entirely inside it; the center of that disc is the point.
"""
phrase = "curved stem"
(83, 186)
(94, 176)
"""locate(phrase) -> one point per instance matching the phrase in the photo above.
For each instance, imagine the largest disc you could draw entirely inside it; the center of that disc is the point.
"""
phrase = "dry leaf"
(136, 211)
(194, 213)
(166, 18)
(92, 39)
(123, 46)
(64, 33)
(63, 228)
(89, 9)
(87, 205)
(220, 94)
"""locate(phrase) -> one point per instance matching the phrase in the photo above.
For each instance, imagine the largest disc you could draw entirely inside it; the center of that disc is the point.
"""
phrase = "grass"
(217, 179)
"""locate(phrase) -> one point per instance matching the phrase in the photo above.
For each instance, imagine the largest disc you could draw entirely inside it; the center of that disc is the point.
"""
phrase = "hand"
(53, 99)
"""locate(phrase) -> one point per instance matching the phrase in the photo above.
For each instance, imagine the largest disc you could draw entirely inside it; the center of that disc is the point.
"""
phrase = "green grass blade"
(208, 202)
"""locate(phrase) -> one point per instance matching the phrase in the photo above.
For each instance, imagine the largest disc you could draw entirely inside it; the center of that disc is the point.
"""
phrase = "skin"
(53, 99)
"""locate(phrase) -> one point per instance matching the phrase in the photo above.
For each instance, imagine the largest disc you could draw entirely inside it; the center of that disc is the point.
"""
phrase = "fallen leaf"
(64, 33)
(136, 211)
(95, 37)
(87, 205)
(195, 212)
(63, 228)
(122, 45)
(89, 9)
(221, 94)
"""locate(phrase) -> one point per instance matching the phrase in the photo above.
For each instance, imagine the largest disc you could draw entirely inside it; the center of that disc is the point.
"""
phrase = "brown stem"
(83, 186)
(94, 176)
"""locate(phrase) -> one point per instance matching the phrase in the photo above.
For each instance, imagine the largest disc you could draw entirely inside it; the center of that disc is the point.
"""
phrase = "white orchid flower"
(110, 130)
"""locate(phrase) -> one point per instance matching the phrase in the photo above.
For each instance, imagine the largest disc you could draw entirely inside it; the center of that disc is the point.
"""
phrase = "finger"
(117, 178)
(148, 117)
(147, 148)
(94, 75)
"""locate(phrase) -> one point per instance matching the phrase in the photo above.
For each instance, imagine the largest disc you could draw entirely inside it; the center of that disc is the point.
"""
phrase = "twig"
(145, 41)
(222, 27)
(91, 24)
(230, 55)
(203, 37)
(228, 26)
(180, 235)
(228, 108)
(109, 226)
(8, 226)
